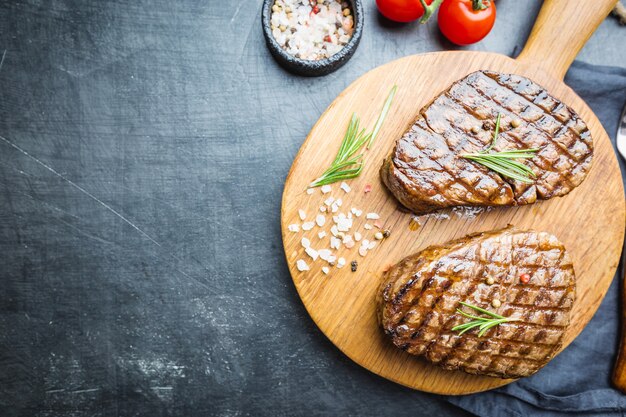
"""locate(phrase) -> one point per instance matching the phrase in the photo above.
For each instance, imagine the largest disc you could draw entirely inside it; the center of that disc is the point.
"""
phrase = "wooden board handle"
(561, 30)
(619, 372)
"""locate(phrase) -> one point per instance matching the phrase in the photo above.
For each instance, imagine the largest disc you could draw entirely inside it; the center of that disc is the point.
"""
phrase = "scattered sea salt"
(293, 228)
(341, 262)
(325, 270)
(310, 191)
(330, 200)
(367, 226)
(321, 234)
(363, 250)
(302, 214)
(320, 220)
(301, 265)
(324, 254)
(357, 236)
(334, 242)
(371, 245)
(307, 225)
(345, 187)
(305, 242)
(312, 253)
(372, 216)
(326, 189)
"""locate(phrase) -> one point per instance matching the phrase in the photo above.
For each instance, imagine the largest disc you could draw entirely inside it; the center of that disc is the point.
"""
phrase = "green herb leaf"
(504, 162)
(346, 165)
(483, 323)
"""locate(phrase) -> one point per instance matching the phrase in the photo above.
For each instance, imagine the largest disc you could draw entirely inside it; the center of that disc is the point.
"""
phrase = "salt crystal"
(357, 236)
(307, 225)
(305, 242)
(310, 191)
(293, 228)
(335, 208)
(334, 230)
(332, 259)
(302, 266)
(302, 214)
(320, 220)
(323, 209)
(371, 245)
(345, 187)
(312, 253)
(363, 250)
(339, 202)
(372, 216)
(321, 234)
(334, 242)
(326, 189)
(344, 224)
(367, 226)
(350, 244)
(330, 200)
(325, 270)
(341, 262)
(324, 254)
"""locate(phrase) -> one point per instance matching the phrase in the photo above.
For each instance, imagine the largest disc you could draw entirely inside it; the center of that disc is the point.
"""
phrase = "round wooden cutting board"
(590, 220)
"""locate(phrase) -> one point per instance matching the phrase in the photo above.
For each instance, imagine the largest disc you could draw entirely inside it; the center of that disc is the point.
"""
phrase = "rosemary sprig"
(483, 323)
(347, 165)
(504, 162)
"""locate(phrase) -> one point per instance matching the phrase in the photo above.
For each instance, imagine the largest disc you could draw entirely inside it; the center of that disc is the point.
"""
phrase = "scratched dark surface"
(143, 150)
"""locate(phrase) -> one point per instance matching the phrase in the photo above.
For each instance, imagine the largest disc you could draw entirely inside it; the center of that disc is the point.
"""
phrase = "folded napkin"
(577, 381)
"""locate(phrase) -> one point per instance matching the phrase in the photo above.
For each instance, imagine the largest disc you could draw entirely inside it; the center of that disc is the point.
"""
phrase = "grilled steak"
(420, 295)
(426, 172)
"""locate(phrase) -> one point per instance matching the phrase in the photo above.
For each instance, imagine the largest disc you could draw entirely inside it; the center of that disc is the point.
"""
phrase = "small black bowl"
(307, 67)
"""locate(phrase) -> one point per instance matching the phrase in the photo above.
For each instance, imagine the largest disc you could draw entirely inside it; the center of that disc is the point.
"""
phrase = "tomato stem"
(480, 5)
(429, 9)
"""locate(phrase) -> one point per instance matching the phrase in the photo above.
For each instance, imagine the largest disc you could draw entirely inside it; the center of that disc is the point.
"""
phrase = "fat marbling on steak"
(425, 171)
(420, 295)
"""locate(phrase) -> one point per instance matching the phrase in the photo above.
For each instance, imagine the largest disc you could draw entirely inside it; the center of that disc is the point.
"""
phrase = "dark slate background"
(143, 150)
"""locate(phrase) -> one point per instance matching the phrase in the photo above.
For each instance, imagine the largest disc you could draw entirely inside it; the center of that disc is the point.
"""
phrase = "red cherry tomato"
(401, 10)
(463, 23)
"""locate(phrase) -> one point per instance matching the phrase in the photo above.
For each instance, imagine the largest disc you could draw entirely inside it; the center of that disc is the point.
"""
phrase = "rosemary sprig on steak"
(504, 162)
(483, 323)
(346, 165)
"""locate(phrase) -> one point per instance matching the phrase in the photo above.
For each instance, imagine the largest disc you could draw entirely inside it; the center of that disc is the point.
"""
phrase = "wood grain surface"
(589, 221)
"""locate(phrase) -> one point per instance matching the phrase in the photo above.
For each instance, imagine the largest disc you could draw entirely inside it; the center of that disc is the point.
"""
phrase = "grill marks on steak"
(420, 295)
(426, 172)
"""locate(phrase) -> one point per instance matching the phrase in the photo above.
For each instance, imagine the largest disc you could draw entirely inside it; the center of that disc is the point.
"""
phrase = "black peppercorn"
(353, 266)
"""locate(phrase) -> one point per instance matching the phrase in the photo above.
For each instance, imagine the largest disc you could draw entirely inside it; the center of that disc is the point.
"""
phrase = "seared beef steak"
(420, 295)
(426, 172)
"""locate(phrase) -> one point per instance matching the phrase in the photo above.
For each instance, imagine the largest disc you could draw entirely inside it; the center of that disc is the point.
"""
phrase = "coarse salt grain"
(308, 225)
(310, 191)
(323, 209)
(312, 253)
(334, 230)
(334, 242)
(320, 220)
(356, 212)
(367, 226)
(302, 214)
(357, 236)
(325, 270)
(326, 189)
(363, 250)
(305, 242)
(372, 216)
(341, 262)
(324, 254)
(321, 234)
(371, 245)
(345, 187)
(301, 265)
(293, 228)
(330, 200)
(339, 202)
